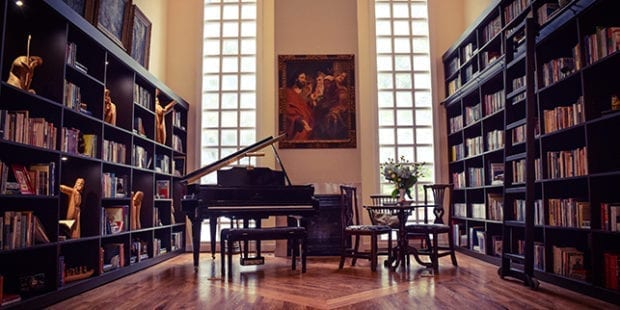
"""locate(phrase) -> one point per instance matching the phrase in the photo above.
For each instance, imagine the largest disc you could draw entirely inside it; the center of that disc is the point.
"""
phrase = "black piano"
(243, 193)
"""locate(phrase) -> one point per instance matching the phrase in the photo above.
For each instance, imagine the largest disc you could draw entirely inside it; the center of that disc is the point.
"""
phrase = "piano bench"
(296, 235)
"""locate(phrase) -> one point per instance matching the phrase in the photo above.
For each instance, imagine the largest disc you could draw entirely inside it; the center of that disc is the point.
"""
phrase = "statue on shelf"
(109, 108)
(136, 204)
(22, 70)
(160, 117)
(615, 102)
(73, 208)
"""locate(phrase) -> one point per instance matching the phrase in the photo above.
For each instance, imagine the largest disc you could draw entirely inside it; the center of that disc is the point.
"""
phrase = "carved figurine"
(22, 70)
(615, 102)
(160, 117)
(136, 204)
(74, 206)
(110, 108)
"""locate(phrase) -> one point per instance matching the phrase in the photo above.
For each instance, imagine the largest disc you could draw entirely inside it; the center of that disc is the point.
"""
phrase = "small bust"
(615, 102)
(109, 108)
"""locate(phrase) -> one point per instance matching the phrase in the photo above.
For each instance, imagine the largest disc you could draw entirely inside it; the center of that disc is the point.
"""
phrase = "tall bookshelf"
(58, 134)
(537, 192)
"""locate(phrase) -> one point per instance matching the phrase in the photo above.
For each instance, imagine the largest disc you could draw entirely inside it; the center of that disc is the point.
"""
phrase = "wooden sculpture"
(160, 118)
(22, 70)
(136, 204)
(74, 206)
(110, 108)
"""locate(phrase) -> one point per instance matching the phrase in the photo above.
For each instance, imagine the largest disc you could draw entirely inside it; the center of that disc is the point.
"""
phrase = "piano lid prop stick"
(255, 154)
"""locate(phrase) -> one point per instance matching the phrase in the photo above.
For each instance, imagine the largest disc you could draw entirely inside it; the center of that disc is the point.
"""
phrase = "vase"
(401, 194)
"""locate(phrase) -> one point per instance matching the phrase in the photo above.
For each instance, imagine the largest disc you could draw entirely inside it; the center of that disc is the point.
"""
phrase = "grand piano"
(243, 193)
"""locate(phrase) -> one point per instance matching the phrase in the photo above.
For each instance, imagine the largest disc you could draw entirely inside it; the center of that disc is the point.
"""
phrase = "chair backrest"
(383, 199)
(349, 214)
(442, 197)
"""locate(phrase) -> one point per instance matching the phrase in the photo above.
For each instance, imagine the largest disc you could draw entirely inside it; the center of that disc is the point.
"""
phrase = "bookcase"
(532, 152)
(58, 145)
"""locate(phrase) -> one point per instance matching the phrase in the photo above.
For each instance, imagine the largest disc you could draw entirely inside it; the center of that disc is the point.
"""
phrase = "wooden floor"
(175, 285)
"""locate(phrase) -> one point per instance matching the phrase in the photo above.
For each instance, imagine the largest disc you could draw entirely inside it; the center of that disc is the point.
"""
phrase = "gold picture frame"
(317, 101)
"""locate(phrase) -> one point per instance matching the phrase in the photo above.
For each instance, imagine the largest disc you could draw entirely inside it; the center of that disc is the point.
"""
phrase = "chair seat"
(377, 228)
(425, 228)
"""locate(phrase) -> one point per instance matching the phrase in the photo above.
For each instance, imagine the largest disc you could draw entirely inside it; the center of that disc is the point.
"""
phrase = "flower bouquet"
(403, 174)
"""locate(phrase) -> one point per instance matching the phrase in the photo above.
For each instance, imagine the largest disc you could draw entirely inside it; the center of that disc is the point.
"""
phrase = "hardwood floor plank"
(175, 285)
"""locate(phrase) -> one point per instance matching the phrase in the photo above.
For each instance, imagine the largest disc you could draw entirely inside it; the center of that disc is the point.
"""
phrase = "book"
(163, 189)
(23, 178)
(115, 219)
(497, 173)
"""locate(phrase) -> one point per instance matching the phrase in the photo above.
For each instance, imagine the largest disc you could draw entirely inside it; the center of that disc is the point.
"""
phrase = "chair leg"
(303, 255)
(223, 254)
(230, 253)
(373, 252)
(452, 251)
(435, 252)
(343, 253)
(293, 253)
(355, 250)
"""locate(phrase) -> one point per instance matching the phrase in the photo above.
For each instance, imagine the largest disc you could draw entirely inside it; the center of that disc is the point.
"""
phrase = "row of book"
(557, 69)
(71, 54)
(35, 179)
(456, 123)
(20, 229)
(562, 117)
(562, 164)
(604, 41)
(473, 113)
(115, 186)
(569, 262)
(74, 141)
(143, 97)
(162, 163)
(114, 152)
(176, 241)
(495, 140)
(493, 102)
(519, 211)
(18, 126)
(569, 212)
(141, 158)
(610, 216)
(515, 8)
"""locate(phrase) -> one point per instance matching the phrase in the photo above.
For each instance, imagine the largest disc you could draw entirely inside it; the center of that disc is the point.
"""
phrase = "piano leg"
(213, 227)
(196, 226)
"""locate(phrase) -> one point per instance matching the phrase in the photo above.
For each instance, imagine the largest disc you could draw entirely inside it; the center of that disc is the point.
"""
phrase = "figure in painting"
(299, 119)
(160, 118)
(331, 114)
(109, 108)
(73, 207)
(22, 70)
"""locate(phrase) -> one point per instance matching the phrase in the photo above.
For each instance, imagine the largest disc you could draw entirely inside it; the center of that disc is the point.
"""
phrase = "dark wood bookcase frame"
(97, 64)
(556, 71)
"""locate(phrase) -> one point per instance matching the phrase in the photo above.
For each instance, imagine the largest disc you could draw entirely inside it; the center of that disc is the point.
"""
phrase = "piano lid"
(198, 173)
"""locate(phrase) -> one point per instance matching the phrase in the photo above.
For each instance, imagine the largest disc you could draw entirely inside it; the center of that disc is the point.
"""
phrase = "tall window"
(405, 120)
(228, 82)
(229, 79)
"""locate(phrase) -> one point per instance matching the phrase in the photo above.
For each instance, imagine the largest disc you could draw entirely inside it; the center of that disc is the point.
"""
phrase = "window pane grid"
(403, 81)
(229, 81)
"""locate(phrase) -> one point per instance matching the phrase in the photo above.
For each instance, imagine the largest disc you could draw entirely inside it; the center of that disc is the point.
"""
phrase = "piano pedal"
(252, 261)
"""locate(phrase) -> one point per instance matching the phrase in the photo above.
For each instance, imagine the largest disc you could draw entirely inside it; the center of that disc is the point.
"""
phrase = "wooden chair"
(353, 228)
(431, 231)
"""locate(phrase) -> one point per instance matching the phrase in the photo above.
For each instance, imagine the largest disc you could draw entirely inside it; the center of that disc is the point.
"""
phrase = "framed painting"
(139, 37)
(83, 7)
(316, 101)
(111, 17)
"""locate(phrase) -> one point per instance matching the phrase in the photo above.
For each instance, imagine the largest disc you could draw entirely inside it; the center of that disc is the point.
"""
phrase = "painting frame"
(111, 17)
(139, 36)
(85, 8)
(316, 101)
